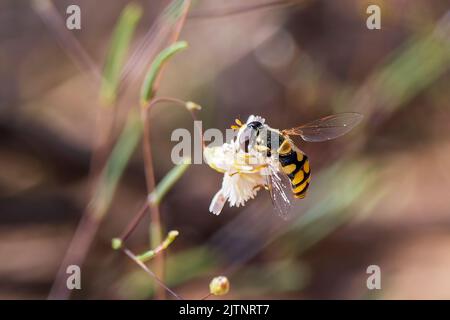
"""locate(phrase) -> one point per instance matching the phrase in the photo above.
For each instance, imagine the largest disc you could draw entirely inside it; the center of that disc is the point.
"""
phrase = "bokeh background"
(379, 195)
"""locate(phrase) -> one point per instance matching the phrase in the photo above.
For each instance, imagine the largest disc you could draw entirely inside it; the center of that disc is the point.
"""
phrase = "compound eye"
(255, 125)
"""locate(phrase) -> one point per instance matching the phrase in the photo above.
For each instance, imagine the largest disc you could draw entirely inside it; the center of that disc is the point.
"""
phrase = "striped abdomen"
(295, 165)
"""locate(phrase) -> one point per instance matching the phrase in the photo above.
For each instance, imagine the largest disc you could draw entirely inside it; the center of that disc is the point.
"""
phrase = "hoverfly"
(291, 162)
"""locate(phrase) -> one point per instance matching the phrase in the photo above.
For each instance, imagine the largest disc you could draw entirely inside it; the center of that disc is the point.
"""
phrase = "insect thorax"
(270, 138)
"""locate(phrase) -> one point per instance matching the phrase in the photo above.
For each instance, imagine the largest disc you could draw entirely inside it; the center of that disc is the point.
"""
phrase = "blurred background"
(379, 195)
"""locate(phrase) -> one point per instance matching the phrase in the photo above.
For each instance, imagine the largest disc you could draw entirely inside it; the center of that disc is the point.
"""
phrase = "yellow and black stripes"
(295, 165)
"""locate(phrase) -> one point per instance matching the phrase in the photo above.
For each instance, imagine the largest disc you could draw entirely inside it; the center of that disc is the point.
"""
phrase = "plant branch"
(50, 16)
(150, 254)
(95, 211)
(133, 224)
(150, 86)
(169, 180)
(133, 257)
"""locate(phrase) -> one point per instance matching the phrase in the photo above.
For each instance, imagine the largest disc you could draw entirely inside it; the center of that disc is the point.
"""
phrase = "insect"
(286, 157)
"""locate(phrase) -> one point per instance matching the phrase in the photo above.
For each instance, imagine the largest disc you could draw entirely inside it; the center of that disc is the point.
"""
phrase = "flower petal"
(217, 203)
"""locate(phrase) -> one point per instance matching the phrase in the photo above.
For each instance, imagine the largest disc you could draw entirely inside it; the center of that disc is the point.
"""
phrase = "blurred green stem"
(119, 45)
(104, 180)
(156, 196)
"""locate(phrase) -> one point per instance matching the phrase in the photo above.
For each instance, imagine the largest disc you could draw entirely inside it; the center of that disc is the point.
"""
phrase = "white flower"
(244, 172)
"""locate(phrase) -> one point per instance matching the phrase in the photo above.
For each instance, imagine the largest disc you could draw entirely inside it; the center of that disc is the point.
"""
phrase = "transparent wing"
(279, 190)
(327, 128)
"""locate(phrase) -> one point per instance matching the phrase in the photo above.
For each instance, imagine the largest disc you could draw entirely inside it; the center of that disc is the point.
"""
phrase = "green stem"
(146, 256)
(149, 88)
(118, 50)
(156, 196)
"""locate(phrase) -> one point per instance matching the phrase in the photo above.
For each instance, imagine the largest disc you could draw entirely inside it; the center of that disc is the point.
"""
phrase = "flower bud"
(219, 286)
(116, 243)
(193, 106)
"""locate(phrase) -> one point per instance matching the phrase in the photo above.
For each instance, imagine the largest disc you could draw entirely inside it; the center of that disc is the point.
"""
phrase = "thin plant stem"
(91, 219)
(167, 99)
(150, 254)
(88, 224)
(155, 217)
(133, 224)
(133, 257)
(141, 213)
(69, 43)
(207, 296)
(76, 253)
(181, 103)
